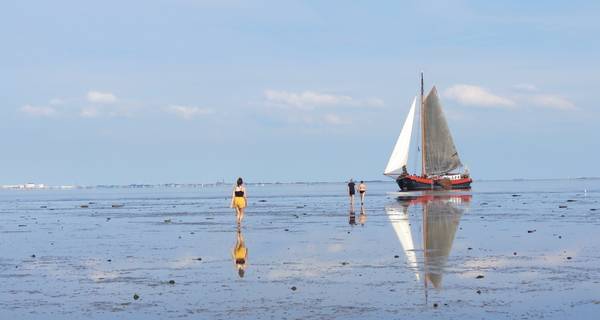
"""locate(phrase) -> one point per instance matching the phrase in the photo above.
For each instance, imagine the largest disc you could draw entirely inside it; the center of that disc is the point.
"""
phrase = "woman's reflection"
(240, 254)
(362, 217)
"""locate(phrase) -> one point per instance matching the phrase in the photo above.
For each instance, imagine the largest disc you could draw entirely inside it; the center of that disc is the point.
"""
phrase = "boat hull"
(410, 183)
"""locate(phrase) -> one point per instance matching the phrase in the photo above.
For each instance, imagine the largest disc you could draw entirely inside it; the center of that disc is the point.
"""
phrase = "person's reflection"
(352, 218)
(240, 254)
(362, 218)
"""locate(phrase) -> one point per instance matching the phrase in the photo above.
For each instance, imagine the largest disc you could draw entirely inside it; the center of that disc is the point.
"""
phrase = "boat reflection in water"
(431, 236)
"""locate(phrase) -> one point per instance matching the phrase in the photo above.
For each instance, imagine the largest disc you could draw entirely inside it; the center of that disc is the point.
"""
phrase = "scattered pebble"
(560, 237)
(117, 206)
(435, 305)
(469, 248)
(344, 263)
(171, 281)
(109, 260)
(293, 288)
(43, 207)
(396, 256)
(84, 206)
(167, 220)
(514, 253)
(516, 195)
(571, 200)
(33, 255)
(22, 225)
(286, 230)
(199, 259)
(479, 277)
(562, 206)
(484, 203)
(569, 258)
(478, 291)
(135, 296)
(593, 209)
(107, 219)
(262, 200)
(531, 231)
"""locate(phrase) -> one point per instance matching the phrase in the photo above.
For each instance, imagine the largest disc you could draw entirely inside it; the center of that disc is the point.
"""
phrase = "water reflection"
(240, 253)
(362, 217)
(352, 217)
(429, 228)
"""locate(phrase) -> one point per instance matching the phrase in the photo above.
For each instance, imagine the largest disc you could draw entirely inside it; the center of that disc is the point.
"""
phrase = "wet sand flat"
(510, 249)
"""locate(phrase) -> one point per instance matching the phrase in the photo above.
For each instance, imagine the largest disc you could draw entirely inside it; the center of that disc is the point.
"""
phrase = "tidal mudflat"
(509, 249)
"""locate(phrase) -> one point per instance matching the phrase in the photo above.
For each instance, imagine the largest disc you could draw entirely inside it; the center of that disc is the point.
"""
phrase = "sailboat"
(440, 163)
(440, 219)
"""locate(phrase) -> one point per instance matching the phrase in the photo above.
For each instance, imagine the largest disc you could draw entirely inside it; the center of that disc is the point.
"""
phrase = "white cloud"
(334, 119)
(38, 111)
(526, 87)
(552, 101)
(311, 99)
(101, 97)
(476, 96)
(188, 112)
(89, 112)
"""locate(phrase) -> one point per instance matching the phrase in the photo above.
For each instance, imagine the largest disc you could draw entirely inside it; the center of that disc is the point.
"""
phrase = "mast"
(423, 171)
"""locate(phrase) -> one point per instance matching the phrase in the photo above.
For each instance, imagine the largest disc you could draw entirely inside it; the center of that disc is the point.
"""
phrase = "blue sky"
(198, 91)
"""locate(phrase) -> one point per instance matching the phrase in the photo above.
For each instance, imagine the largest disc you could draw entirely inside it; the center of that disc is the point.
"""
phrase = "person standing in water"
(239, 200)
(362, 189)
(240, 254)
(351, 191)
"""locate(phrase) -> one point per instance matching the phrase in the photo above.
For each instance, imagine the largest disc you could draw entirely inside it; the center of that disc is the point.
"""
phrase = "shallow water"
(419, 258)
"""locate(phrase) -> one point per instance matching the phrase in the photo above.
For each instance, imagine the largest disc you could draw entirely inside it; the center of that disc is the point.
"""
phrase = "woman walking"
(239, 200)
(362, 189)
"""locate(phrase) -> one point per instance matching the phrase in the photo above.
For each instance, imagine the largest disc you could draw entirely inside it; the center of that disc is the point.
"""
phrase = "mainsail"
(399, 156)
(440, 153)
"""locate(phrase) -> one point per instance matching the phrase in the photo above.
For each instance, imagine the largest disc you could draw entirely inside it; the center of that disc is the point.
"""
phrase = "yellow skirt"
(239, 202)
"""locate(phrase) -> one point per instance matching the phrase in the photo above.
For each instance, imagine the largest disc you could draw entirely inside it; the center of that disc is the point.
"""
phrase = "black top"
(351, 187)
(239, 193)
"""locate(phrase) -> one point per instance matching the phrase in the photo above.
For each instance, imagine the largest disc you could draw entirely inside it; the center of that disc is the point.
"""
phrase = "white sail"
(399, 157)
(399, 219)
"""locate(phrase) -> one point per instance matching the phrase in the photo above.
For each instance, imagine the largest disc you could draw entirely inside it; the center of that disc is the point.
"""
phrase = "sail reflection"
(434, 233)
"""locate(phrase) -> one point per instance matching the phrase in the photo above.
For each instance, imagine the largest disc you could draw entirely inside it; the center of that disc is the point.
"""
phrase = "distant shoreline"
(31, 186)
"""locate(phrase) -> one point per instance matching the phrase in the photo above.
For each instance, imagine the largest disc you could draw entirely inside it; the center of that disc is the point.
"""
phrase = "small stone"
(199, 259)
(562, 215)
(344, 263)
(569, 258)
(293, 288)
(84, 206)
(479, 277)
(286, 230)
(262, 200)
(469, 248)
(171, 281)
(593, 209)
(516, 195)
(560, 237)
(562, 206)
(107, 219)
(167, 220)
(435, 305)
(571, 200)
(478, 291)
(531, 231)
(109, 260)
(33, 255)
(396, 256)
(514, 253)
(135, 296)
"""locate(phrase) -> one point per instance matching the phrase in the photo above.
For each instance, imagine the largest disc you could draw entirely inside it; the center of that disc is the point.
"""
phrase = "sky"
(185, 91)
